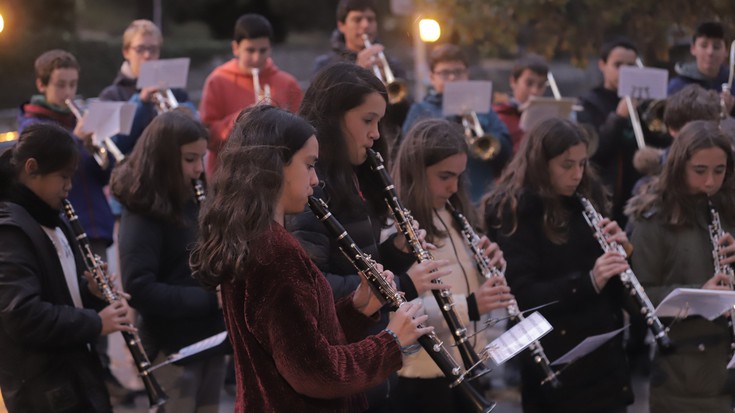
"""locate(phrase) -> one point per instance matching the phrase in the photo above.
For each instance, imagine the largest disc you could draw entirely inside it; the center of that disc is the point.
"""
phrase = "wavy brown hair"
(528, 172)
(150, 180)
(244, 190)
(669, 194)
(429, 142)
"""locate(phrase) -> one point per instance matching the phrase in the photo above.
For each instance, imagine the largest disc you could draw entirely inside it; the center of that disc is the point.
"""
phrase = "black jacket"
(540, 272)
(47, 362)
(154, 259)
(617, 146)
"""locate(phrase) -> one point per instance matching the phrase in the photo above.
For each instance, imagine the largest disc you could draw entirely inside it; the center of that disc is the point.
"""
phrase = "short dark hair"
(51, 60)
(711, 30)
(532, 62)
(608, 47)
(346, 6)
(252, 26)
(691, 103)
(446, 53)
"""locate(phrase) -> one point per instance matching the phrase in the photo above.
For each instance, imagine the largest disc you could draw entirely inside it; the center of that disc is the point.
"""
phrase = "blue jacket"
(481, 173)
(86, 195)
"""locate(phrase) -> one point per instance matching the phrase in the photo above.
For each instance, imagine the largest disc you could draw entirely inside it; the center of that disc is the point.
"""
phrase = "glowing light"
(8, 136)
(2, 23)
(429, 30)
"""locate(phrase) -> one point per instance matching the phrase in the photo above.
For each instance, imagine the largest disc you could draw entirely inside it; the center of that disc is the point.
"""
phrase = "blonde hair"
(141, 27)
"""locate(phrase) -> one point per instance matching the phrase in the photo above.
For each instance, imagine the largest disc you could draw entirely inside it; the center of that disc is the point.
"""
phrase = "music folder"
(518, 338)
(164, 73)
(587, 346)
(539, 109)
(684, 302)
(464, 96)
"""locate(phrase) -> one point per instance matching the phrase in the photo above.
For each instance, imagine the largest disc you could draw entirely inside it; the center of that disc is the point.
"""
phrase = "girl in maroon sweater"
(295, 348)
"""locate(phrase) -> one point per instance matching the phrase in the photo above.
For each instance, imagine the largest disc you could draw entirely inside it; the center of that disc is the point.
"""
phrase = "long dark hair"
(669, 193)
(429, 142)
(528, 172)
(244, 190)
(52, 146)
(150, 181)
(335, 90)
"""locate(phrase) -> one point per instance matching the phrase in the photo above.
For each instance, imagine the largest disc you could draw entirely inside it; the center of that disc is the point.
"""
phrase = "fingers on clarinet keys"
(116, 317)
(407, 326)
(424, 274)
(491, 296)
(607, 266)
(719, 281)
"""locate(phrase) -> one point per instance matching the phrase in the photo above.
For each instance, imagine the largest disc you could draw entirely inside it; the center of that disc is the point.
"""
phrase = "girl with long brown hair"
(296, 348)
(673, 250)
(158, 226)
(429, 172)
(536, 218)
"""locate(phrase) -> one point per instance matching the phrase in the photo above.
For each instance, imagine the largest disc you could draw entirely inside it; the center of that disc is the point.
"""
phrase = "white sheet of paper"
(105, 119)
(164, 73)
(196, 348)
(731, 364)
(683, 302)
(539, 109)
(518, 337)
(466, 96)
(587, 346)
(643, 83)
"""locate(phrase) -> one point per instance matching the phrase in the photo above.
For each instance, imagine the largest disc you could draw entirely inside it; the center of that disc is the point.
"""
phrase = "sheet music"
(105, 119)
(464, 96)
(587, 346)
(684, 302)
(196, 348)
(164, 73)
(643, 83)
(518, 337)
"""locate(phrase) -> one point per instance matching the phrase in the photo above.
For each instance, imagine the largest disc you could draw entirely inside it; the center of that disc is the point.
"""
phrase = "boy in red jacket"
(231, 87)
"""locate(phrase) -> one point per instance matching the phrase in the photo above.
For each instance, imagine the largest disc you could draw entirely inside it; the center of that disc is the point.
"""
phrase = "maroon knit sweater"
(295, 349)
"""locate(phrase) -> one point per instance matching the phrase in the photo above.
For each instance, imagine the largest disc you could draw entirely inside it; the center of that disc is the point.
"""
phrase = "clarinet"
(199, 194)
(489, 272)
(628, 278)
(93, 263)
(715, 234)
(443, 297)
(387, 294)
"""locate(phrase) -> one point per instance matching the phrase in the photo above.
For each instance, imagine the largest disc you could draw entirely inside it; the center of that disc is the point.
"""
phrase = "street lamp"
(426, 31)
(429, 30)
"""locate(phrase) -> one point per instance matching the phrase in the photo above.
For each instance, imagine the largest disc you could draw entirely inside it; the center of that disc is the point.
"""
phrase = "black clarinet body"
(472, 239)
(389, 295)
(472, 362)
(93, 263)
(199, 194)
(629, 279)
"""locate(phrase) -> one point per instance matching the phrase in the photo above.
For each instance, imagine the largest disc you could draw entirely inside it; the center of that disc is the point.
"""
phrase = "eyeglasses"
(445, 74)
(140, 49)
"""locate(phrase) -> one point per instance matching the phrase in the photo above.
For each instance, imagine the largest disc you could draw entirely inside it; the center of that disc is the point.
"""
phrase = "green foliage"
(574, 28)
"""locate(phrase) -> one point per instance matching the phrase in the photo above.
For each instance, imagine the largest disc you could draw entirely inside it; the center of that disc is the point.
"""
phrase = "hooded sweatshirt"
(688, 73)
(228, 90)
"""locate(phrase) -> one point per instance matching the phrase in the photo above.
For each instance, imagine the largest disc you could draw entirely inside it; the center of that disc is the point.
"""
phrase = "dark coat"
(154, 261)
(617, 145)
(540, 272)
(47, 362)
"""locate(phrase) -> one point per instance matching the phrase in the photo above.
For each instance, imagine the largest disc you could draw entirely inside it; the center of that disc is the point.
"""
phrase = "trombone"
(99, 152)
(483, 145)
(261, 94)
(397, 88)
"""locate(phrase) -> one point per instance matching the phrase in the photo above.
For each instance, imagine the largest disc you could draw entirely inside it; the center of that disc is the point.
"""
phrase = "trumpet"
(261, 94)
(165, 101)
(483, 145)
(99, 152)
(397, 88)
(94, 265)
(483, 264)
